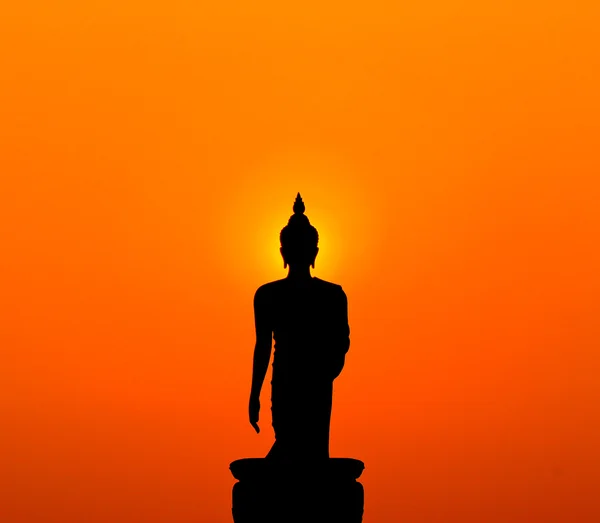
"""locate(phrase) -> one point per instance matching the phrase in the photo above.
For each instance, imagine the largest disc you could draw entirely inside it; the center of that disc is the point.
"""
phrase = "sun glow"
(447, 153)
(262, 206)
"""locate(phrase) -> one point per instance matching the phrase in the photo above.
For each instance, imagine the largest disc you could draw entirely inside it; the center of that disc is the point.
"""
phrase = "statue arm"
(342, 335)
(262, 348)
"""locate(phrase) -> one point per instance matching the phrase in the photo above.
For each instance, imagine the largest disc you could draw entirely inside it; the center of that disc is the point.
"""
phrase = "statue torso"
(307, 321)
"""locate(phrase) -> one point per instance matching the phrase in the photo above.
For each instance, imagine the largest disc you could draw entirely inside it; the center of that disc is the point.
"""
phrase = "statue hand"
(253, 410)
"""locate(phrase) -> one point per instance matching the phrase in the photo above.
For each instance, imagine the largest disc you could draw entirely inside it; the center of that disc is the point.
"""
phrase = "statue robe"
(309, 321)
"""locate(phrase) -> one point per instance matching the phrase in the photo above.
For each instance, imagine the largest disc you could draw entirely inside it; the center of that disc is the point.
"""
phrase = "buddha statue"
(307, 318)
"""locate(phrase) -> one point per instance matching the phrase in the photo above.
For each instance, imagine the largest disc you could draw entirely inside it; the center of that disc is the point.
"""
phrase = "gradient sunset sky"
(447, 152)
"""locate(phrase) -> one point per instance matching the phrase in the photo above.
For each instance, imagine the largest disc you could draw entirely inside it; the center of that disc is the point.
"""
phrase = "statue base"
(326, 492)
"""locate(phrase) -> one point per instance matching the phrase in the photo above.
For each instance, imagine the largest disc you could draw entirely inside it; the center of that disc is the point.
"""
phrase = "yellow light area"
(261, 206)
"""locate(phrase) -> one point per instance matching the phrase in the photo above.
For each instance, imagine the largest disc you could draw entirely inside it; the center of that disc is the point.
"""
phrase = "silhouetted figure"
(308, 319)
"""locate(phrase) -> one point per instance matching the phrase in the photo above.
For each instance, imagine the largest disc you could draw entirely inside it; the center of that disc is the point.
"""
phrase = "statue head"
(299, 238)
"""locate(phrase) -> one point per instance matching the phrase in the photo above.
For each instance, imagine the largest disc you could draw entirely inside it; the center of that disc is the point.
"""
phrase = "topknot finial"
(299, 207)
(298, 230)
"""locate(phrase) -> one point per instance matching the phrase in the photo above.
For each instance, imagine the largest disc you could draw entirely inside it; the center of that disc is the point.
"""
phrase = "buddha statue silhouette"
(307, 317)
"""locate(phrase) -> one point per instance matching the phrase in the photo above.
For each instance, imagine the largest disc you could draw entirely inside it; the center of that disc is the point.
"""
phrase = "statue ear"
(282, 255)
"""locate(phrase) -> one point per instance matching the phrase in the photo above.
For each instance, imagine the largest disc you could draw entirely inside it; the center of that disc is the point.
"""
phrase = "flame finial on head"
(299, 206)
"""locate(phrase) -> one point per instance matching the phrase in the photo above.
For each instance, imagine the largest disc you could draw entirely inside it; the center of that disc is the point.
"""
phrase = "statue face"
(299, 258)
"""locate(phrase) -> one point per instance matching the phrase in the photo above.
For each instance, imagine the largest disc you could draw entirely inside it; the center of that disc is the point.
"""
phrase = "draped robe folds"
(309, 322)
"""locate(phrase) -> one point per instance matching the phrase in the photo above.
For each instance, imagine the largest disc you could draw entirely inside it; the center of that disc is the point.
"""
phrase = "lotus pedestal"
(320, 492)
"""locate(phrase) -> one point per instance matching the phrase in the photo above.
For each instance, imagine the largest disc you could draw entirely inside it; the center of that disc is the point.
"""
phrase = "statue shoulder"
(334, 288)
(267, 290)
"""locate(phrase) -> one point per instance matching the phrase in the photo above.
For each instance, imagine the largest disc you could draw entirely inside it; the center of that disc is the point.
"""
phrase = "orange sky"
(446, 151)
